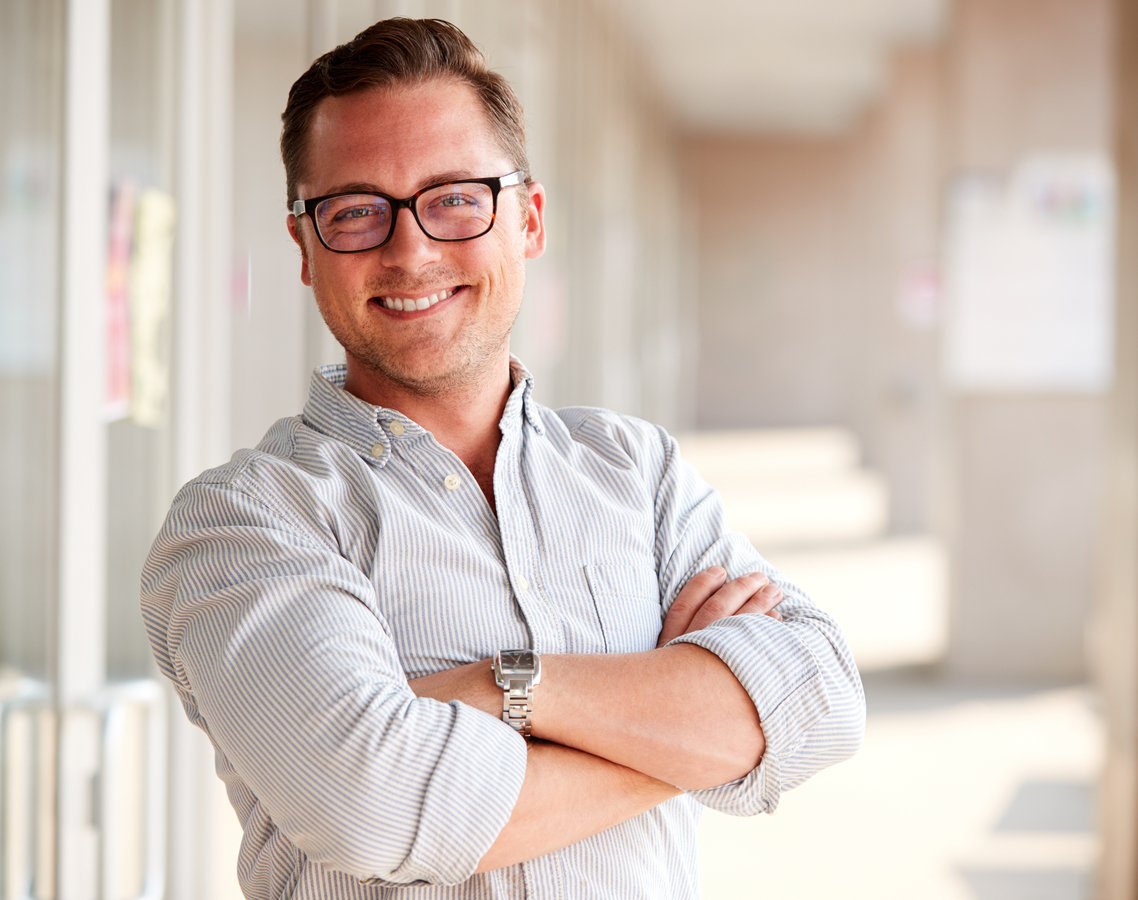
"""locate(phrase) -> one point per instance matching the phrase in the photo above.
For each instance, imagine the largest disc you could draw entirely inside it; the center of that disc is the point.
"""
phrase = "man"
(328, 604)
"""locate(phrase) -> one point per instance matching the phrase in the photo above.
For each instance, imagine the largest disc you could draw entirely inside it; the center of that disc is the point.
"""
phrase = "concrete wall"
(1026, 470)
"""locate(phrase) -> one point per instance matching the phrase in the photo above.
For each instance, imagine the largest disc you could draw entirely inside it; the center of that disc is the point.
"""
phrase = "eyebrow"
(362, 187)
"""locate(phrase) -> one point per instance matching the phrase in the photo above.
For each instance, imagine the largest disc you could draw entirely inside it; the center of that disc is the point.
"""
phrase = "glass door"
(31, 147)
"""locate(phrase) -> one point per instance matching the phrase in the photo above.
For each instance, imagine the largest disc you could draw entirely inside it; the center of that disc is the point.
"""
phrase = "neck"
(464, 419)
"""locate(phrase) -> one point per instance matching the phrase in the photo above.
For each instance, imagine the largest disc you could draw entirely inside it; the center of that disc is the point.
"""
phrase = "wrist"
(517, 673)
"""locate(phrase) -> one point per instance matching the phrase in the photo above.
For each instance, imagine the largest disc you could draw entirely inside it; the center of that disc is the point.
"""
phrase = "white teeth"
(407, 304)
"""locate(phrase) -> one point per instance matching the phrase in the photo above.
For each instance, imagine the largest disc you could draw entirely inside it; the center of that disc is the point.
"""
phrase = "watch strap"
(517, 672)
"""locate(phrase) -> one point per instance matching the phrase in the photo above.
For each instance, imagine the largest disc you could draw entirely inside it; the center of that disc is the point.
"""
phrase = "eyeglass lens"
(448, 212)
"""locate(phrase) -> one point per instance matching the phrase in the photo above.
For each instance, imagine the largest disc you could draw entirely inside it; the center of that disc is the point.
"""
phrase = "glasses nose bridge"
(411, 205)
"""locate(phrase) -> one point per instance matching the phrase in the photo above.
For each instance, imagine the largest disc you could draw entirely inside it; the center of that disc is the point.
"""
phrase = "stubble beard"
(469, 362)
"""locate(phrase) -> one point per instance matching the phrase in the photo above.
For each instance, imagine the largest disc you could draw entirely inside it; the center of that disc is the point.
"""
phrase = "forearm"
(567, 796)
(676, 714)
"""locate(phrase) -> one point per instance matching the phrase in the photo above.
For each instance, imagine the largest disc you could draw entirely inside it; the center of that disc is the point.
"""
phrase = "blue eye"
(453, 200)
(355, 212)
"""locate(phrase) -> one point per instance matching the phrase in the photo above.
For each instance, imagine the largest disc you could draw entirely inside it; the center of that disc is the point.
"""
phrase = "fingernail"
(771, 590)
(717, 571)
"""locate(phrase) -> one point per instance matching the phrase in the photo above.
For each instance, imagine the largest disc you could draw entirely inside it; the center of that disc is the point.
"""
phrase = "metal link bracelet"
(517, 673)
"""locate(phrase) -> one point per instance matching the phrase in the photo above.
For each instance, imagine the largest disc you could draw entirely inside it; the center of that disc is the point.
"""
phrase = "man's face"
(398, 141)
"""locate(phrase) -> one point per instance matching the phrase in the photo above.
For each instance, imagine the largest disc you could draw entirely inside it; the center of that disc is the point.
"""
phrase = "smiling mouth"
(412, 304)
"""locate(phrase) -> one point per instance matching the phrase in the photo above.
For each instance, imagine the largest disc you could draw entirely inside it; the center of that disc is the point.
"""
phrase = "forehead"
(399, 139)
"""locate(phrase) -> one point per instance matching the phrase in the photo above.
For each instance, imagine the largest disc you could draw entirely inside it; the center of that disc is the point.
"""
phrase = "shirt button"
(397, 428)
(378, 450)
(523, 583)
(452, 482)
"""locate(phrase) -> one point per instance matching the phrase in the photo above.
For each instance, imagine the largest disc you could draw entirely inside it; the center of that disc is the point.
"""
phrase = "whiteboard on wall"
(1029, 278)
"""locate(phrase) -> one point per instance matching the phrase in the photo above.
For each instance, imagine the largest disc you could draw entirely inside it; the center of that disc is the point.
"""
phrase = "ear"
(535, 221)
(294, 231)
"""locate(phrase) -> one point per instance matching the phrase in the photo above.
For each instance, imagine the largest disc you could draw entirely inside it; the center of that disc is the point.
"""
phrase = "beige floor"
(918, 812)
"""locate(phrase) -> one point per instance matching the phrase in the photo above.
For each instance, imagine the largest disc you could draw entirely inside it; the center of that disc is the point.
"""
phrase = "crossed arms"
(620, 731)
(284, 627)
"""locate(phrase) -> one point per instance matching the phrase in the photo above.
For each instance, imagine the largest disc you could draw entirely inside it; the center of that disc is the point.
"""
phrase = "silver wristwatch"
(517, 673)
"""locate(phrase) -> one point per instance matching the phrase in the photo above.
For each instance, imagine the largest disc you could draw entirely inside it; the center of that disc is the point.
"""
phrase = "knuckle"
(752, 582)
(717, 607)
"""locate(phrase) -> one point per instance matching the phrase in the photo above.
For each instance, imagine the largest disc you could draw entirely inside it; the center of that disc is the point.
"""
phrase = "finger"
(690, 598)
(768, 598)
(728, 600)
(764, 603)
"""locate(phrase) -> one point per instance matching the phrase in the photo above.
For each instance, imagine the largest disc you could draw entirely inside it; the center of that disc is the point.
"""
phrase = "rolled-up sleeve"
(275, 645)
(799, 672)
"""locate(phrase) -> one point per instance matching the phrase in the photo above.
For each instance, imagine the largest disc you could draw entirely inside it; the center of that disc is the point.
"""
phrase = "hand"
(706, 599)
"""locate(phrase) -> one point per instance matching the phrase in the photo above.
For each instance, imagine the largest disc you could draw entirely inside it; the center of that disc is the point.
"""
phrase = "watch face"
(516, 659)
(516, 662)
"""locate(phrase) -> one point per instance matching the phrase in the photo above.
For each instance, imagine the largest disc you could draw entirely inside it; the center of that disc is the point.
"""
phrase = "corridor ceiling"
(775, 66)
(735, 66)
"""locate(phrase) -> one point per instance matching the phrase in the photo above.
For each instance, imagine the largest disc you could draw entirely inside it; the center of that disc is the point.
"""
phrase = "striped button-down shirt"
(293, 591)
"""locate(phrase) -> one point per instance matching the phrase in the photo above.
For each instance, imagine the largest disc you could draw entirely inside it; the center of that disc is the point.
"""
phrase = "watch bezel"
(516, 664)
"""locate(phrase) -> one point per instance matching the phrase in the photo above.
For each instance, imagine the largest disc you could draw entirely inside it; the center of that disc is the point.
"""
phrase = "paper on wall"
(1029, 277)
(151, 286)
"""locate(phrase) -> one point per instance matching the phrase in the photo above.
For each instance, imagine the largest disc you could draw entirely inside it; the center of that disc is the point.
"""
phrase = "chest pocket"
(627, 601)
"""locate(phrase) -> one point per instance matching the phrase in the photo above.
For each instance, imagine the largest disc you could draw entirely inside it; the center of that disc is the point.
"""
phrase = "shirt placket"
(520, 545)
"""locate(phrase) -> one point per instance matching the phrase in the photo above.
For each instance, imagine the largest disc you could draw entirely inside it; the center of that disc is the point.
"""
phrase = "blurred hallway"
(960, 792)
(963, 789)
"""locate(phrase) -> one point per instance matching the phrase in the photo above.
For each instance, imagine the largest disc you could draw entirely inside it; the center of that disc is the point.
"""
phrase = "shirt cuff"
(783, 679)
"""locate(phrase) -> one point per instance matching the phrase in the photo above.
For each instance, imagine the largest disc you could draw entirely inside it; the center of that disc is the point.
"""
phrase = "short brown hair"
(394, 52)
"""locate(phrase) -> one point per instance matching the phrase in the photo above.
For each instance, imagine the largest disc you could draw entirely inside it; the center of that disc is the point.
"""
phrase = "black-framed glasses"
(353, 222)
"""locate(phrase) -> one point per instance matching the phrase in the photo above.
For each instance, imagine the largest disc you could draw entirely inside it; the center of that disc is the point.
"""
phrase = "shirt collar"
(333, 411)
(522, 395)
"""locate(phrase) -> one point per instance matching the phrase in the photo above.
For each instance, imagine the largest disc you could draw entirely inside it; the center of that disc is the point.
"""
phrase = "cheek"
(338, 273)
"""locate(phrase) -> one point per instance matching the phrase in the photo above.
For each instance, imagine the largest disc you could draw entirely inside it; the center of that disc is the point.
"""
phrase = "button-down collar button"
(523, 583)
(397, 428)
(452, 482)
(378, 450)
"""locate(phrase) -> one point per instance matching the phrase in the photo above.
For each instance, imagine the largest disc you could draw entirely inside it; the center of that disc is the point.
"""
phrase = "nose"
(409, 247)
